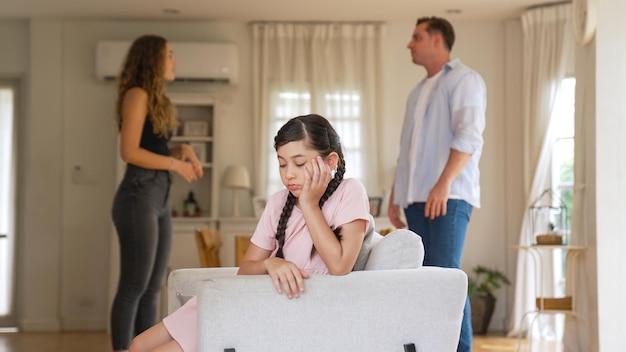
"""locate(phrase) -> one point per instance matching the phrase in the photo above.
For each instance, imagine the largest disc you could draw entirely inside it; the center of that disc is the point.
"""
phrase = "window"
(563, 178)
(563, 149)
(327, 68)
(341, 108)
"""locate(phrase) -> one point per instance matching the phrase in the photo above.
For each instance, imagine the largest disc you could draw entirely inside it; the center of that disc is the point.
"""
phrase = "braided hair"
(318, 135)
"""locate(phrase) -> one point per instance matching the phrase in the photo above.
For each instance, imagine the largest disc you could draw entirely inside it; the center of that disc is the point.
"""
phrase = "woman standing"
(145, 119)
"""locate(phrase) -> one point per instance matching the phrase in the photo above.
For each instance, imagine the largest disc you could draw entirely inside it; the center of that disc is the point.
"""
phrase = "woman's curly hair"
(318, 135)
(144, 68)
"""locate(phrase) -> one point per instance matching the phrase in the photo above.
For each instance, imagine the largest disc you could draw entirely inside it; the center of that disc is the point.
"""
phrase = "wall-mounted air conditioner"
(199, 62)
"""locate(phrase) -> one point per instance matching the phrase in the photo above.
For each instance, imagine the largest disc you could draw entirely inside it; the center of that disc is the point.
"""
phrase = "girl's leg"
(171, 346)
(155, 339)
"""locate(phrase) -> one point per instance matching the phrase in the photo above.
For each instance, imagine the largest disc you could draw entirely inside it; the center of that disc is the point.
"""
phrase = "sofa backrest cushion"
(362, 311)
(400, 249)
(371, 239)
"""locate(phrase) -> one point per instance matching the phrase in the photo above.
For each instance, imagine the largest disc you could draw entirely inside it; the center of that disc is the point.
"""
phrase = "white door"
(8, 152)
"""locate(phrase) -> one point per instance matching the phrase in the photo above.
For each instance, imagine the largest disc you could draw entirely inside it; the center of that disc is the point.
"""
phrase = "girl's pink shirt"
(349, 202)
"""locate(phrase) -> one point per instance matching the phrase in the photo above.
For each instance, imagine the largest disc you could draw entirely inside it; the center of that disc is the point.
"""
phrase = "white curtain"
(331, 69)
(547, 43)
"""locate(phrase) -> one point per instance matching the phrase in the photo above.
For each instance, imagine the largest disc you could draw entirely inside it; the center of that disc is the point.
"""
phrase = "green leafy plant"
(485, 282)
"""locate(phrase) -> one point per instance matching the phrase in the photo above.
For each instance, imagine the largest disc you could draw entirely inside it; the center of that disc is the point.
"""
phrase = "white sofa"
(371, 310)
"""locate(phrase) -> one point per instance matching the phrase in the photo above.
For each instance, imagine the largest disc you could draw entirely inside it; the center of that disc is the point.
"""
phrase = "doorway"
(8, 169)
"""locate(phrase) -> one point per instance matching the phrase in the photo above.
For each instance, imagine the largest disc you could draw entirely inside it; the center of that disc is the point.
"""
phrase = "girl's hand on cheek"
(316, 178)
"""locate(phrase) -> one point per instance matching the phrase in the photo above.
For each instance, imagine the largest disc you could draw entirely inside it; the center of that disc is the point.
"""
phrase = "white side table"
(550, 305)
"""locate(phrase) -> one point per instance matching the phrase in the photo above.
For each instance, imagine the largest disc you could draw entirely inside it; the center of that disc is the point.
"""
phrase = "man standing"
(437, 177)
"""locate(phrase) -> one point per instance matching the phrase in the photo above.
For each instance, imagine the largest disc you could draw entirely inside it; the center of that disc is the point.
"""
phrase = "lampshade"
(236, 176)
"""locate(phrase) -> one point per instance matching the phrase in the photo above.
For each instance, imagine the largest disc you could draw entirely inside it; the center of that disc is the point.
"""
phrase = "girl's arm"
(134, 112)
(257, 261)
(339, 256)
(253, 261)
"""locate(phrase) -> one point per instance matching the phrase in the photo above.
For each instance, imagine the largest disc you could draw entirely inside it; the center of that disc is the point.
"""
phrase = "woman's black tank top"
(153, 142)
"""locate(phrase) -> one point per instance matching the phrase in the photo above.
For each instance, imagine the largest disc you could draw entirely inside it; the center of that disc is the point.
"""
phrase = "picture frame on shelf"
(375, 203)
(258, 204)
(200, 150)
(195, 128)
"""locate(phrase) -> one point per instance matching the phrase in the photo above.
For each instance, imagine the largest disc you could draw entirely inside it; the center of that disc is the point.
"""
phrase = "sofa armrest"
(182, 284)
(362, 311)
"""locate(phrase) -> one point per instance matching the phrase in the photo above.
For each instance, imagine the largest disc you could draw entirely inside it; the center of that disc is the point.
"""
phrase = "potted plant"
(481, 289)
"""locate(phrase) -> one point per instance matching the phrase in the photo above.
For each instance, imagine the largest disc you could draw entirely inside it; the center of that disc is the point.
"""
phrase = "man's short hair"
(439, 25)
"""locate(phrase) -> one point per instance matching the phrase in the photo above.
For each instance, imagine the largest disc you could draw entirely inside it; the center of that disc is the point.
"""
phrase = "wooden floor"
(52, 342)
(99, 342)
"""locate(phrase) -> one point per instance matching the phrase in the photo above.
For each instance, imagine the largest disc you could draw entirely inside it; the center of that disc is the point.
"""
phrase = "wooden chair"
(241, 246)
(208, 243)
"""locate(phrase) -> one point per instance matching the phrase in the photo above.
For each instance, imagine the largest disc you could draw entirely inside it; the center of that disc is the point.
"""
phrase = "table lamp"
(236, 177)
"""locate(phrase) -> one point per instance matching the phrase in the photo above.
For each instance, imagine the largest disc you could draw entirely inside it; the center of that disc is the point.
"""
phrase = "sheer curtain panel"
(547, 41)
(331, 69)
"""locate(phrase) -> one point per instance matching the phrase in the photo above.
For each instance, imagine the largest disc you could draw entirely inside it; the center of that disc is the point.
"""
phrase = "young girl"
(316, 225)
(141, 212)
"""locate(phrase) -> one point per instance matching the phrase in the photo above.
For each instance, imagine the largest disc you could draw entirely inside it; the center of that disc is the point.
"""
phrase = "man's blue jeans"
(444, 238)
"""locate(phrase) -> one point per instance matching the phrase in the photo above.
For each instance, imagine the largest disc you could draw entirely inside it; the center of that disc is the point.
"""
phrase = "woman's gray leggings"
(141, 215)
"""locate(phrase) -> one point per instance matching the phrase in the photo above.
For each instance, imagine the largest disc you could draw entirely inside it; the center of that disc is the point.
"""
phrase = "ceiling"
(269, 10)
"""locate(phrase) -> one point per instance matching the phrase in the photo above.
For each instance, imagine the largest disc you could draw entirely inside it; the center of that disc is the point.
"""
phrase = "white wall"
(39, 236)
(610, 171)
(14, 38)
(514, 196)
(70, 124)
